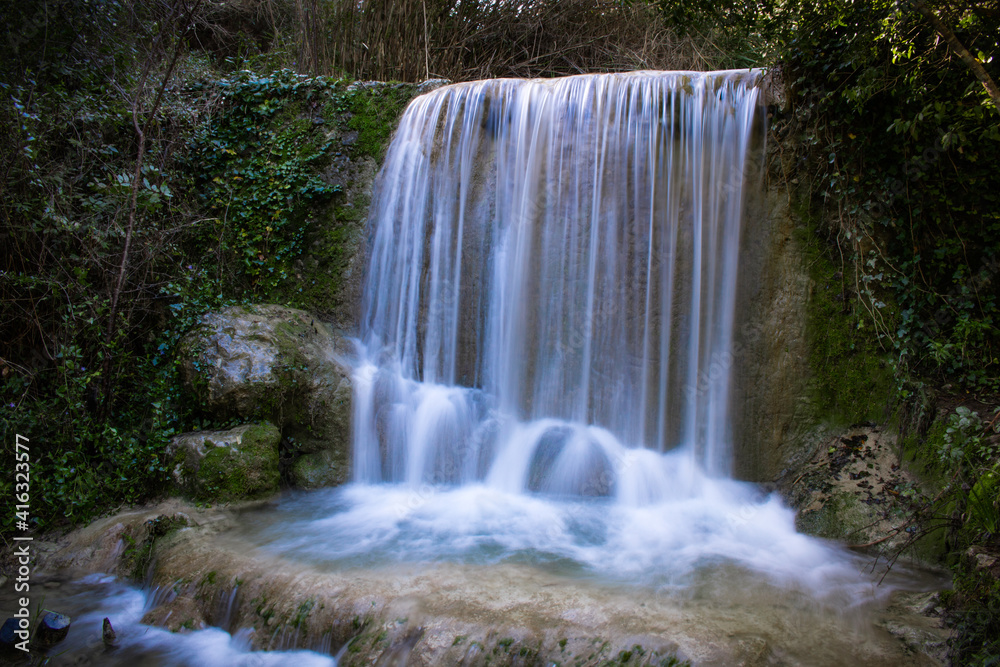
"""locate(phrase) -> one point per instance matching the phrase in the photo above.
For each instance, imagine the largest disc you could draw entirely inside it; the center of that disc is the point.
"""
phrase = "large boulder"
(280, 365)
(227, 465)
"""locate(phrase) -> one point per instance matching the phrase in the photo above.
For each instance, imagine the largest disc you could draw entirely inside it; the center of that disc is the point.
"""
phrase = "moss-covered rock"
(318, 469)
(227, 465)
(280, 365)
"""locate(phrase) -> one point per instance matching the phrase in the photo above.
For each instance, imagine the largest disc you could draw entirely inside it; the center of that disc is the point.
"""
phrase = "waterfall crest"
(552, 284)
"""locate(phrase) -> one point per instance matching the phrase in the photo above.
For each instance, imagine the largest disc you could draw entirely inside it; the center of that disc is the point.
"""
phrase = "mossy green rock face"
(276, 364)
(228, 465)
(317, 470)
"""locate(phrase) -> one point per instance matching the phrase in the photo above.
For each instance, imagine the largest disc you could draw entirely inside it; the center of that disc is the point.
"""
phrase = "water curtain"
(553, 273)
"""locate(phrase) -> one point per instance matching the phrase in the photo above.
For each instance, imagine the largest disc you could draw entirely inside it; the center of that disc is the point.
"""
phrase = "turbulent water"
(553, 281)
(90, 600)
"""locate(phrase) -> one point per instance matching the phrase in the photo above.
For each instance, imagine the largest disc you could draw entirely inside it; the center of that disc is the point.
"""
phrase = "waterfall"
(552, 284)
(544, 363)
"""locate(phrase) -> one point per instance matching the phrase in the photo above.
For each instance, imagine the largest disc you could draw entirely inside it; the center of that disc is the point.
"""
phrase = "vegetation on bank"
(891, 139)
(167, 157)
(146, 182)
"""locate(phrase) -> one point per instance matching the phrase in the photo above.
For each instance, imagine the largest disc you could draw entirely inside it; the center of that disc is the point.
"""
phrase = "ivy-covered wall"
(285, 169)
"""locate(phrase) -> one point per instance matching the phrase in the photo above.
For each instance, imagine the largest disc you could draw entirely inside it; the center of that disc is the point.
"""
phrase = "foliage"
(898, 140)
(892, 141)
(73, 373)
(976, 619)
(261, 200)
(411, 40)
(963, 450)
(222, 193)
(961, 436)
(984, 513)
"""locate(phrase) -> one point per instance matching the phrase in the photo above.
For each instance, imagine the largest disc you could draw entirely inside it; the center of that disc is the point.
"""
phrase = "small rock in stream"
(8, 633)
(108, 634)
(52, 630)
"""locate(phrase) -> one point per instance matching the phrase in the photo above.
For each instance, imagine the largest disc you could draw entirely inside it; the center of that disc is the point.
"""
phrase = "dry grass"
(418, 39)
(412, 40)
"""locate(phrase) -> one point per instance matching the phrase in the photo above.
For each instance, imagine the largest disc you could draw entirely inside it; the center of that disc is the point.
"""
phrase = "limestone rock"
(227, 465)
(981, 559)
(431, 84)
(318, 470)
(180, 614)
(108, 634)
(276, 364)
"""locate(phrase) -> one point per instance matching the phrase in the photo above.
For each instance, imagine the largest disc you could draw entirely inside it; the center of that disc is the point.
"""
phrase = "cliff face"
(792, 360)
(777, 418)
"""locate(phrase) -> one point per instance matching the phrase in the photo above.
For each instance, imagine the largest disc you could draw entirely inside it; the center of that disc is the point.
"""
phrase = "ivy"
(899, 142)
(256, 171)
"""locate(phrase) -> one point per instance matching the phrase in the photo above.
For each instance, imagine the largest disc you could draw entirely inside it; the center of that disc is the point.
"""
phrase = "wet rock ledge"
(508, 614)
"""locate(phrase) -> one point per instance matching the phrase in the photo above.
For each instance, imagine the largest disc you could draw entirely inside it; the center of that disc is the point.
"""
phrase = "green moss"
(247, 471)
(140, 543)
(920, 454)
(332, 244)
(318, 470)
(352, 126)
(302, 613)
(852, 376)
(839, 518)
(375, 113)
(674, 661)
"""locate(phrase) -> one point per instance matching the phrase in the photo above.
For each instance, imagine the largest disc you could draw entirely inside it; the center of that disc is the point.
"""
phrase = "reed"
(412, 40)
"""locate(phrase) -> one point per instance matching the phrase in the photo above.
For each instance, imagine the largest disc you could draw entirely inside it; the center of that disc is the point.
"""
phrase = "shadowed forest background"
(161, 159)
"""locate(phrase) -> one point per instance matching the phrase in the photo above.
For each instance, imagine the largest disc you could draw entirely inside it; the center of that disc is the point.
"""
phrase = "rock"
(275, 364)
(108, 634)
(981, 559)
(431, 84)
(227, 465)
(8, 633)
(317, 470)
(753, 652)
(52, 629)
(180, 614)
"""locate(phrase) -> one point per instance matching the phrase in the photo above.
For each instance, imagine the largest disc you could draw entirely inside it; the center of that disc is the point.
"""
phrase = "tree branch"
(141, 129)
(970, 61)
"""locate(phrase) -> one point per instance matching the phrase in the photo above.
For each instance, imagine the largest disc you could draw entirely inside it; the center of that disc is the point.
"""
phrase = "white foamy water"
(663, 545)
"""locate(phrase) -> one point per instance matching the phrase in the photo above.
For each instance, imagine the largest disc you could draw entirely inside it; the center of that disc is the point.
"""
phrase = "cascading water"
(553, 277)
(553, 268)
